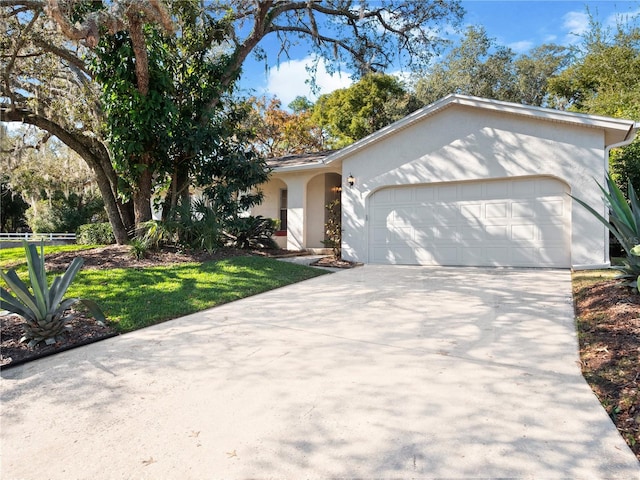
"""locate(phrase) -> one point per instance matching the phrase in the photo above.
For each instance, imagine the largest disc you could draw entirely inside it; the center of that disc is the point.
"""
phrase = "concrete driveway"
(376, 372)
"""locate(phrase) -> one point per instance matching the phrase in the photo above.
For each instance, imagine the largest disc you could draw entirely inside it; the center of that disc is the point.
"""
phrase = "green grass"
(14, 256)
(133, 298)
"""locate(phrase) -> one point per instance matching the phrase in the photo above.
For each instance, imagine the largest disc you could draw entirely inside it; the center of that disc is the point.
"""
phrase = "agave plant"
(623, 223)
(43, 308)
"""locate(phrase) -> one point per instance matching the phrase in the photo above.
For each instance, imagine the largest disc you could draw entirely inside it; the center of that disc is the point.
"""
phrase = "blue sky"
(518, 24)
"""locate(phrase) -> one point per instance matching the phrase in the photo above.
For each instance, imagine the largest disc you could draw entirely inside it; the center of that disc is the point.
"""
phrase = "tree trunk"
(111, 206)
(142, 193)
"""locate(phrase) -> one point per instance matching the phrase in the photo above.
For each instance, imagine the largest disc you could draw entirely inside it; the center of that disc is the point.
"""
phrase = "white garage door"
(523, 222)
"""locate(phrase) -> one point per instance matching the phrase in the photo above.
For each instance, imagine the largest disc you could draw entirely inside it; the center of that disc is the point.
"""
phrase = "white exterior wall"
(270, 206)
(461, 143)
(315, 212)
(303, 231)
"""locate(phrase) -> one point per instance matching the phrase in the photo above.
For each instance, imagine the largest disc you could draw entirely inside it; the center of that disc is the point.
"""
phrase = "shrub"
(190, 225)
(95, 233)
(138, 248)
(43, 308)
(251, 232)
(64, 214)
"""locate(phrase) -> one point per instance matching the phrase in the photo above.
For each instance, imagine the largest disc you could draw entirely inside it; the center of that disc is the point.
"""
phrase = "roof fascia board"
(296, 168)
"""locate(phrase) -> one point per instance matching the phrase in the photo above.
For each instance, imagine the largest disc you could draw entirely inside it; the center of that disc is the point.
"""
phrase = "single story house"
(463, 181)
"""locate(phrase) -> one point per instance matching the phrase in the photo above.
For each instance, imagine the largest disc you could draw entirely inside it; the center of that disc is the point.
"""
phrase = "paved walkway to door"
(375, 372)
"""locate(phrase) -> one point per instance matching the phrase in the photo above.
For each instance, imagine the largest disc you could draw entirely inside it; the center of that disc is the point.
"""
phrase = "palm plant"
(43, 308)
(251, 232)
(623, 222)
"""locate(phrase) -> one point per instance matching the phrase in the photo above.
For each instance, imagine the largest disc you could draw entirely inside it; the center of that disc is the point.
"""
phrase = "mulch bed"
(83, 330)
(608, 318)
(334, 262)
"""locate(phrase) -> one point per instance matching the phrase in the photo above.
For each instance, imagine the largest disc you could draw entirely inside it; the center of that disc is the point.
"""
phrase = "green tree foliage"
(136, 123)
(229, 182)
(479, 66)
(625, 166)
(300, 105)
(62, 213)
(47, 81)
(12, 208)
(604, 79)
(57, 185)
(534, 71)
(349, 114)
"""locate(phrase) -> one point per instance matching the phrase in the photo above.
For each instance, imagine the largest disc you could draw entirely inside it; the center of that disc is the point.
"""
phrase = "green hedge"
(95, 233)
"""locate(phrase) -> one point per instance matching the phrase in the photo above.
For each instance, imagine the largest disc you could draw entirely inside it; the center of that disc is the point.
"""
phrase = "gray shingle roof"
(299, 160)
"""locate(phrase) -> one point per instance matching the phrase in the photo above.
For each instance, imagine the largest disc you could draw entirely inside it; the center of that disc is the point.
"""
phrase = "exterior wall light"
(351, 180)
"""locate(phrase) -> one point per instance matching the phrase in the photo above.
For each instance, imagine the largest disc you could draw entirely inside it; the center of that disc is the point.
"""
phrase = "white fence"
(36, 237)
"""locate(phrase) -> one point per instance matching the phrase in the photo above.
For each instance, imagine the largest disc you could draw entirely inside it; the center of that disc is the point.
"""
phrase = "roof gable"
(617, 131)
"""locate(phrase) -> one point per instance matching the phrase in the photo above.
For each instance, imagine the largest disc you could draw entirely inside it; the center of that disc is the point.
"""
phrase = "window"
(283, 210)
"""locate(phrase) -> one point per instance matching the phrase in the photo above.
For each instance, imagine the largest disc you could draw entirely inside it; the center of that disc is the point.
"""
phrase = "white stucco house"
(463, 181)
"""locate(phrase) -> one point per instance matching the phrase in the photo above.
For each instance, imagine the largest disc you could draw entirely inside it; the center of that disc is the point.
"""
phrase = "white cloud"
(291, 79)
(575, 23)
(521, 46)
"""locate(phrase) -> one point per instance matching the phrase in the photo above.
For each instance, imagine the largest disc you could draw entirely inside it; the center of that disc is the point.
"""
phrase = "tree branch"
(18, 47)
(64, 54)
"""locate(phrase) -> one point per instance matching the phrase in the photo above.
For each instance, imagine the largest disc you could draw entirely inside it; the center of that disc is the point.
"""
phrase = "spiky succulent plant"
(43, 306)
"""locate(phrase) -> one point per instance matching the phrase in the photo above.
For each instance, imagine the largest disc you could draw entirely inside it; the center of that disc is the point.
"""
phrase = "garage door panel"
(495, 256)
(472, 190)
(498, 233)
(447, 192)
(472, 235)
(552, 233)
(380, 215)
(399, 256)
(523, 232)
(523, 188)
(523, 210)
(497, 210)
(550, 257)
(445, 255)
(523, 257)
(384, 197)
(473, 255)
(549, 186)
(425, 194)
(500, 223)
(402, 235)
(497, 190)
(471, 210)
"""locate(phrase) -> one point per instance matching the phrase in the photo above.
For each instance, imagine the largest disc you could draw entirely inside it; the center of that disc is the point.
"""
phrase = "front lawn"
(133, 298)
(136, 293)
